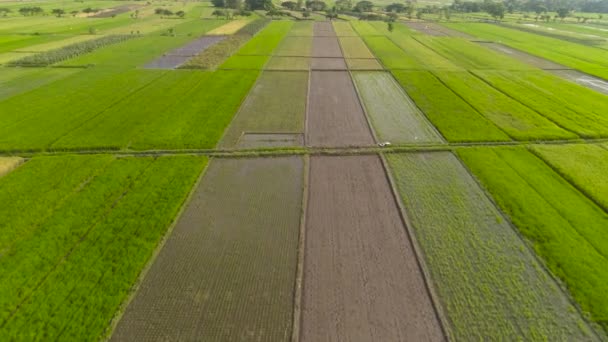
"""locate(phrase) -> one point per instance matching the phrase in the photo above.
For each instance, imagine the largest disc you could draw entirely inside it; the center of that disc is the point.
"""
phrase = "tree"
(74, 13)
(331, 14)
(495, 9)
(234, 4)
(305, 14)
(290, 5)
(4, 11)
(218, 3)
(395, 7)
(344, 5)
(390, 26)
(364, 6)
(217, 13)
(259, 5)
(316, 5)
(58, 12)
(392, 17)
(25, 11)
(92, 30)
(180, 14)
(562, 13)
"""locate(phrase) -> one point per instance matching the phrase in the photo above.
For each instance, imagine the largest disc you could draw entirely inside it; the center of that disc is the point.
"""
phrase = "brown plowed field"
(335, 116)
(326, 47)
(328, 64)
(323, 29)
(361, 278)
(228, 269)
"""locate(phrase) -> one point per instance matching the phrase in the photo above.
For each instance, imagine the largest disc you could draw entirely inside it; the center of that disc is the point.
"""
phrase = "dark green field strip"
(515, 119)
(454, 118)
(571, 106)
(137, 52)
(470, 55)
(69, 279)
(227, 271)
(566, 229)
(276, 104)
(489, 283)
(394, 116)
(14, 81)
(39, 117)
(585, 166)
(576, 56)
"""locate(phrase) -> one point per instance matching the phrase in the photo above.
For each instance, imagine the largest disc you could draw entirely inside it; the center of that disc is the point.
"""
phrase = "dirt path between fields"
(335, 115)
(361, 278)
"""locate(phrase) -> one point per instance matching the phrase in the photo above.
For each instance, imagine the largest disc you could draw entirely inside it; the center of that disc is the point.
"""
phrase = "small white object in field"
(386, 143)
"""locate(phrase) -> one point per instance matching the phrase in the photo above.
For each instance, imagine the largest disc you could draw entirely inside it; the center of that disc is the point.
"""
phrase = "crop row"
(489, 283)
(70, 51)
(584, 58)
(566, 229)
(85, 254)
(218, 53)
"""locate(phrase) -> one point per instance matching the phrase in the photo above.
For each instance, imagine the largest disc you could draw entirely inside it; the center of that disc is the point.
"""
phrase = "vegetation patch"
(489, 283)
(288, 63)
(230, 28)
(55, 56)
(354, 47)
(567, 230)
(363, 64)
(454, 118)
(294, 46)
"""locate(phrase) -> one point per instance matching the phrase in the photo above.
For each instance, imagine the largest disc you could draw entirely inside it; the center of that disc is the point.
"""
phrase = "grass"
(354, 47)
(489, 284)
(15, 81)
(95, 241)
(454, 118)
(585, 166)
(566, 229)
(515, 119)
(8, 164)
(267, 40)
(392, 114)
(571, 106)
(584, 58)
(277, 103)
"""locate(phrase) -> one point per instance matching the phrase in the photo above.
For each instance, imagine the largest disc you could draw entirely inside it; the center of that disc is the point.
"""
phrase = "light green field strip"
(229, 28)
(425, 57)
(354, 47)
(245, 62)
(276, 104)
(392, 56)
(137, 52)
(20, 42)
(11, 56)
(364, 28)
(515, 119)
(344, 29)
(489, 283)
(228, 270)
(584, 58)
(65, 25)
(37, 118)
(301, 28)
(288, 63)
(571, 106)
(454, 118)
(363, 64)
(68, 279)
(58, 44)
(265, 42)
(8, 164)
(15, 81)
(392, 114)
(566, 229)
(470, 55)
(294, 46)
(585, 166)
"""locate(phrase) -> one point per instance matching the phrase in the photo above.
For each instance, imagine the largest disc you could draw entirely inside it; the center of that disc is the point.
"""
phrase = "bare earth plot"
(228, 269)
(326, 47)
(275, 107)
(179, 56)
(323, 29)
(328, 64)
(489, 282)
(335, 116)
(8, 164)
(393, 115)
(361, 278)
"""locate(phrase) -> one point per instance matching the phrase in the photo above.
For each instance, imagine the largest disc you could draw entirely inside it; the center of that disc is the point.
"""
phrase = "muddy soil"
(326, 47)
(328, 64)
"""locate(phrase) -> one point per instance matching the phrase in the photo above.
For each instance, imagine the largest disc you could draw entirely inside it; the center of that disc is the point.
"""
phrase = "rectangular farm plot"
(179, 56)
(567, 230)
(227, 271)
(326, 47)
(323, 29)
(302, 28)
(343, 29)
(585, 166)
(484, 274)
(295, 47)
(363, 64)
(454, 118)
(288, 63)
(276, 104)
(328, 64)
(354, 47)
(514, 118)
(392, 113)
(361, 278)
(425, 57)
(93, 232)
(364, 28)
(335, 116)
(230, 28)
